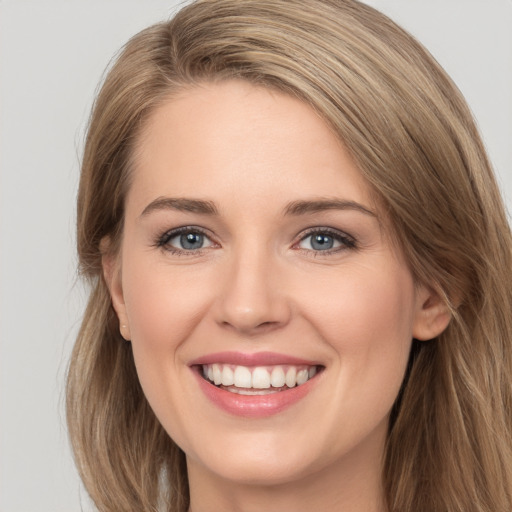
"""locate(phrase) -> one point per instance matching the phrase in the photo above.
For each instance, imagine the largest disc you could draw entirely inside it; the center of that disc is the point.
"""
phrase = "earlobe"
(112, 274)
(432, 315)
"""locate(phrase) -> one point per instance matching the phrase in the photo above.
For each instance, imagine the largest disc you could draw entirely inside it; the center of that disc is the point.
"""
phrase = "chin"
(257, 469)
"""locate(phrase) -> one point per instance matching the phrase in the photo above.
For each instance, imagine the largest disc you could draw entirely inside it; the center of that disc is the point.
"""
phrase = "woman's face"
(254, 257)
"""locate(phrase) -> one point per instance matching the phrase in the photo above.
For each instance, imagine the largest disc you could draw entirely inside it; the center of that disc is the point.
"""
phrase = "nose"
(252, 298)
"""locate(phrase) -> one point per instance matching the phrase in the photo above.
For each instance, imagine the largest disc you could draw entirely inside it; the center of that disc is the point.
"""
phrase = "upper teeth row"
(259, 377)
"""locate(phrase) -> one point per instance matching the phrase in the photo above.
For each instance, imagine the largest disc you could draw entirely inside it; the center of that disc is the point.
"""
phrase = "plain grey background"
(52, 56)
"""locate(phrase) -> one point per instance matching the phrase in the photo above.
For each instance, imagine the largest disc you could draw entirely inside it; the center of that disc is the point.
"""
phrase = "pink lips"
(256, 359)
(253, 406)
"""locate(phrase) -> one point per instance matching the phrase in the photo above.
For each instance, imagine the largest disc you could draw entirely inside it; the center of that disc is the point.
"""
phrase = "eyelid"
(162, 240)
(347, 241)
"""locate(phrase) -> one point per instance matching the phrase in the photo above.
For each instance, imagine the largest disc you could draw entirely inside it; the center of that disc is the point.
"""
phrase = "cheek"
(366, 304)
(163, 305)
(366, 318)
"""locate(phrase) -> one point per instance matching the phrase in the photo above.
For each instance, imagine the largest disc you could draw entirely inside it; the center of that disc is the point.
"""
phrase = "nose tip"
(249, 320)
(252, 301)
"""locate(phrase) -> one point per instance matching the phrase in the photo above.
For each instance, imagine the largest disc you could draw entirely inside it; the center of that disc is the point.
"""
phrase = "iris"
(191, 241)
(322, 242)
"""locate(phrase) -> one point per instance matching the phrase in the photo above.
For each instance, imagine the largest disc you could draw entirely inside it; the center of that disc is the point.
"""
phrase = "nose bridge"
(252, 298)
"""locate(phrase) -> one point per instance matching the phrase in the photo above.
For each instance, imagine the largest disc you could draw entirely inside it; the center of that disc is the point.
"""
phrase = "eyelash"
(346, 241)
(163, 240)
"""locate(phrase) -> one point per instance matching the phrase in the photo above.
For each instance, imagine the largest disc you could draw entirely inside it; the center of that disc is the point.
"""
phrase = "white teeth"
(291, 375)
(246, 380)
(302, 376)
(277, 377)
(260, 378)
(227, 376)
(217, 374)
(243, 378)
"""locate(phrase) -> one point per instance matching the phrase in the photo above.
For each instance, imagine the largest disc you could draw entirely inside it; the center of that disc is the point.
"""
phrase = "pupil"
(322, 242)
(191, 241)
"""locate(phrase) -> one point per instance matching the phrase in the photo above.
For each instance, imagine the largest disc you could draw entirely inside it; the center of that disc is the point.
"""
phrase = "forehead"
(238, 141)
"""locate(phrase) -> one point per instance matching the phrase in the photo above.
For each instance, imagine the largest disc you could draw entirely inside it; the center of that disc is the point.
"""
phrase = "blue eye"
(184, 239)
(321, 242)
(325, 240)
(190, 241)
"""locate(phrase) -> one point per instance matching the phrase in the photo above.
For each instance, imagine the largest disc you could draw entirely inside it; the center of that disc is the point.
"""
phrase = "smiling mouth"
(258, 380)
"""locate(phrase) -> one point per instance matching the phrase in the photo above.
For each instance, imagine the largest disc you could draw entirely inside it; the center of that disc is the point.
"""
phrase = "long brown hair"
(450, 444)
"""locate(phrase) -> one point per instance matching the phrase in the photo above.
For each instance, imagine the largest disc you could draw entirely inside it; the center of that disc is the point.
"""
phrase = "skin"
(259, 285)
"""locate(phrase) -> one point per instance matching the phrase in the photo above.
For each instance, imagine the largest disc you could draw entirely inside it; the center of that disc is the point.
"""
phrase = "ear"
(432, 314)
(111, 263)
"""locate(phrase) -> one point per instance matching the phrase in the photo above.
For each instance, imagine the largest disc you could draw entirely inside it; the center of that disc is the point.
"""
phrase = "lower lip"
(254, 406)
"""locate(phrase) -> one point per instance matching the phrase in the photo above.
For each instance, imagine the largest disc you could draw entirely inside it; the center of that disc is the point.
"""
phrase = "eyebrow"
(295, 208)
(320, 205)
(181, 204)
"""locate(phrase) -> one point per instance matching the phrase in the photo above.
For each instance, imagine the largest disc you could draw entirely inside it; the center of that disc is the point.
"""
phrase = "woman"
(300, 268)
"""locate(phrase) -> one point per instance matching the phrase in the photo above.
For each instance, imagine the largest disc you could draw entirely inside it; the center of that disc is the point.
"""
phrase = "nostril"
(256, 328)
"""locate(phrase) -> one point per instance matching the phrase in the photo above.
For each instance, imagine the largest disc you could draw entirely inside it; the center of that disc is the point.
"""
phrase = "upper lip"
(254, 359)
